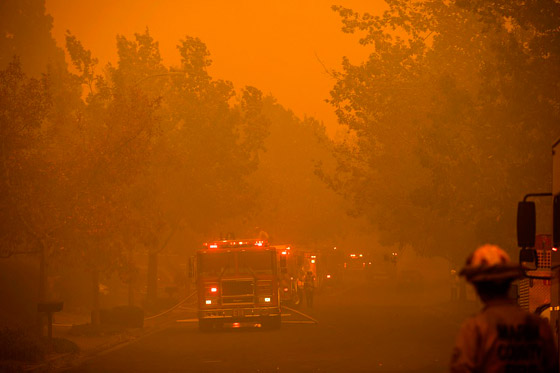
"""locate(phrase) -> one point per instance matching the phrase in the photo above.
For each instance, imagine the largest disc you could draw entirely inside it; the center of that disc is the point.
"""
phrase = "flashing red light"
(284, 252)
(312, 261)
(286, 289)
(258, 243)
(328, 276)
(554, 249)
(213, 290)
(236, 325)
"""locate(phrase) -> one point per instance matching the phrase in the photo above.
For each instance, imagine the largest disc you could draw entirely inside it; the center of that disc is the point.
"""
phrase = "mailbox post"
(49, 308)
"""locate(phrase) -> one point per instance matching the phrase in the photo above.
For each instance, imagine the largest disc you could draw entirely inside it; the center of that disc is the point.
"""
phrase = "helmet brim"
(492, 273)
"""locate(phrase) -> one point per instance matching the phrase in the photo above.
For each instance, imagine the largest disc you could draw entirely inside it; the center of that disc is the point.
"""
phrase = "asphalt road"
(356, 329)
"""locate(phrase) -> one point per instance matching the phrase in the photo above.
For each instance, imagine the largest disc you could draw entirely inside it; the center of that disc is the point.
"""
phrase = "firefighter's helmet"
(490, 263)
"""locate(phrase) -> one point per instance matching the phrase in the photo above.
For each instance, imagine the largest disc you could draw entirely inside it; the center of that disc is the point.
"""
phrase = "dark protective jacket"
(308, 282)
(504, 338)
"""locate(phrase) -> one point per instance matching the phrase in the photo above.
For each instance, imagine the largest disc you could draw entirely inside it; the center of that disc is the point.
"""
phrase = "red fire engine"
(293, 264)
(237, 283)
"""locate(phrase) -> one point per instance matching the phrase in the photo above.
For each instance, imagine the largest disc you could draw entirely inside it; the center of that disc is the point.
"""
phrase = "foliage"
(16, 344)
(451, 118)
(294, 204)
(25, 31)
(24, 103)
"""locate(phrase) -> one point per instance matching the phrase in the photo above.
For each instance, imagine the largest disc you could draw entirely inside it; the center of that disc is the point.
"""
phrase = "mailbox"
(49, 308)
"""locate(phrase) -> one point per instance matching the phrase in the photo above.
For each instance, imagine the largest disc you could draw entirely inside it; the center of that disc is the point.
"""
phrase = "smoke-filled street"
(364, 328)
(179, 180)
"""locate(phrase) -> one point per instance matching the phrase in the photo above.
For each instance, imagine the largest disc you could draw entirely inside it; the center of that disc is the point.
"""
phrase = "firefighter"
(261, 234)
(502, 337)
(309, 288)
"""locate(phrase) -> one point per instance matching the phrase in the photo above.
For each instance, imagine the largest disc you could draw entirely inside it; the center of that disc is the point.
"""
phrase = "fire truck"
(541, 253)
(237, 284)
(293, 264)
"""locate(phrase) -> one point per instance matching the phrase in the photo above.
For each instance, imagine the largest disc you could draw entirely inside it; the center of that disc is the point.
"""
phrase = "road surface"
(355, 329)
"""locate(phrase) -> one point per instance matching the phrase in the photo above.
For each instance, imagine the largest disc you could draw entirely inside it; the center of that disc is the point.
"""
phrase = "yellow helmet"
(490, 263)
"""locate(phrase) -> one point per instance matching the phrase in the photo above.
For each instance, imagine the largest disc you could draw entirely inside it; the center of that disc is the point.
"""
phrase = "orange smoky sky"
(279, 47)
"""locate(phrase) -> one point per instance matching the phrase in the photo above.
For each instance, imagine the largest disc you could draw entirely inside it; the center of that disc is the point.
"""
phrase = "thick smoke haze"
(282, 47)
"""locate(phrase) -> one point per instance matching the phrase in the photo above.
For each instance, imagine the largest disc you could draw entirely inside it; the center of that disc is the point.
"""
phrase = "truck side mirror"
(526, 224)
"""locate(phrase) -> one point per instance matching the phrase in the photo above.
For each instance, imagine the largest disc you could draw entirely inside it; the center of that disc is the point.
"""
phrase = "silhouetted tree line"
(102, 162)
(450, 120)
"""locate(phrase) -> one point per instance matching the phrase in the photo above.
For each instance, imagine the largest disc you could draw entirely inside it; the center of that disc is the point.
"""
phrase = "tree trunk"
(151, 293)
(41, 317)
(130, 293)
(95, 297)
(131, 279)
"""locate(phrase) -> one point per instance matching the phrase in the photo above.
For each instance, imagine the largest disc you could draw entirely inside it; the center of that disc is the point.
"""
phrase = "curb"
(67, 361)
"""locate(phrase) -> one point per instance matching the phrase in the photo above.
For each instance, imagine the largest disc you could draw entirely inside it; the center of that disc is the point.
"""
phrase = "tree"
(447, 118)
(25, 32)
(28, 219)
(295, 206)
(110, 151)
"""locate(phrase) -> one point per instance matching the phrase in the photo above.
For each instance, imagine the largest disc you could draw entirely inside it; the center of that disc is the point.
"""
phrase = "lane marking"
(302, 314)
(187, 320)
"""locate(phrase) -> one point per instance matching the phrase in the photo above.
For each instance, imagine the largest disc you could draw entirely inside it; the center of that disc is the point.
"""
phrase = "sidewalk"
(92, 345)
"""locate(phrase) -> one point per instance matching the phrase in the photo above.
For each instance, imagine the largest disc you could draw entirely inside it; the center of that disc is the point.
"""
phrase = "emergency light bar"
(227, 244)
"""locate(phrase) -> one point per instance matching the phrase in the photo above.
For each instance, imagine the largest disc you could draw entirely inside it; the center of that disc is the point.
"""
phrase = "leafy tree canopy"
(451, 119)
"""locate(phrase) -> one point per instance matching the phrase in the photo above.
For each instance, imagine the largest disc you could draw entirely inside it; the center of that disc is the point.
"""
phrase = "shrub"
(63, 346)
(17, 344)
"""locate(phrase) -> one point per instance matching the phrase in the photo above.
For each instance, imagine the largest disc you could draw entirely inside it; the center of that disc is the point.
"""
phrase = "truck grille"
(237, 287)
(264, 287)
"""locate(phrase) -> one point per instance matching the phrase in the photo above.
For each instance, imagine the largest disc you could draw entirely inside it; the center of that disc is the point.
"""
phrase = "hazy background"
(277, 46)
(121, 154)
